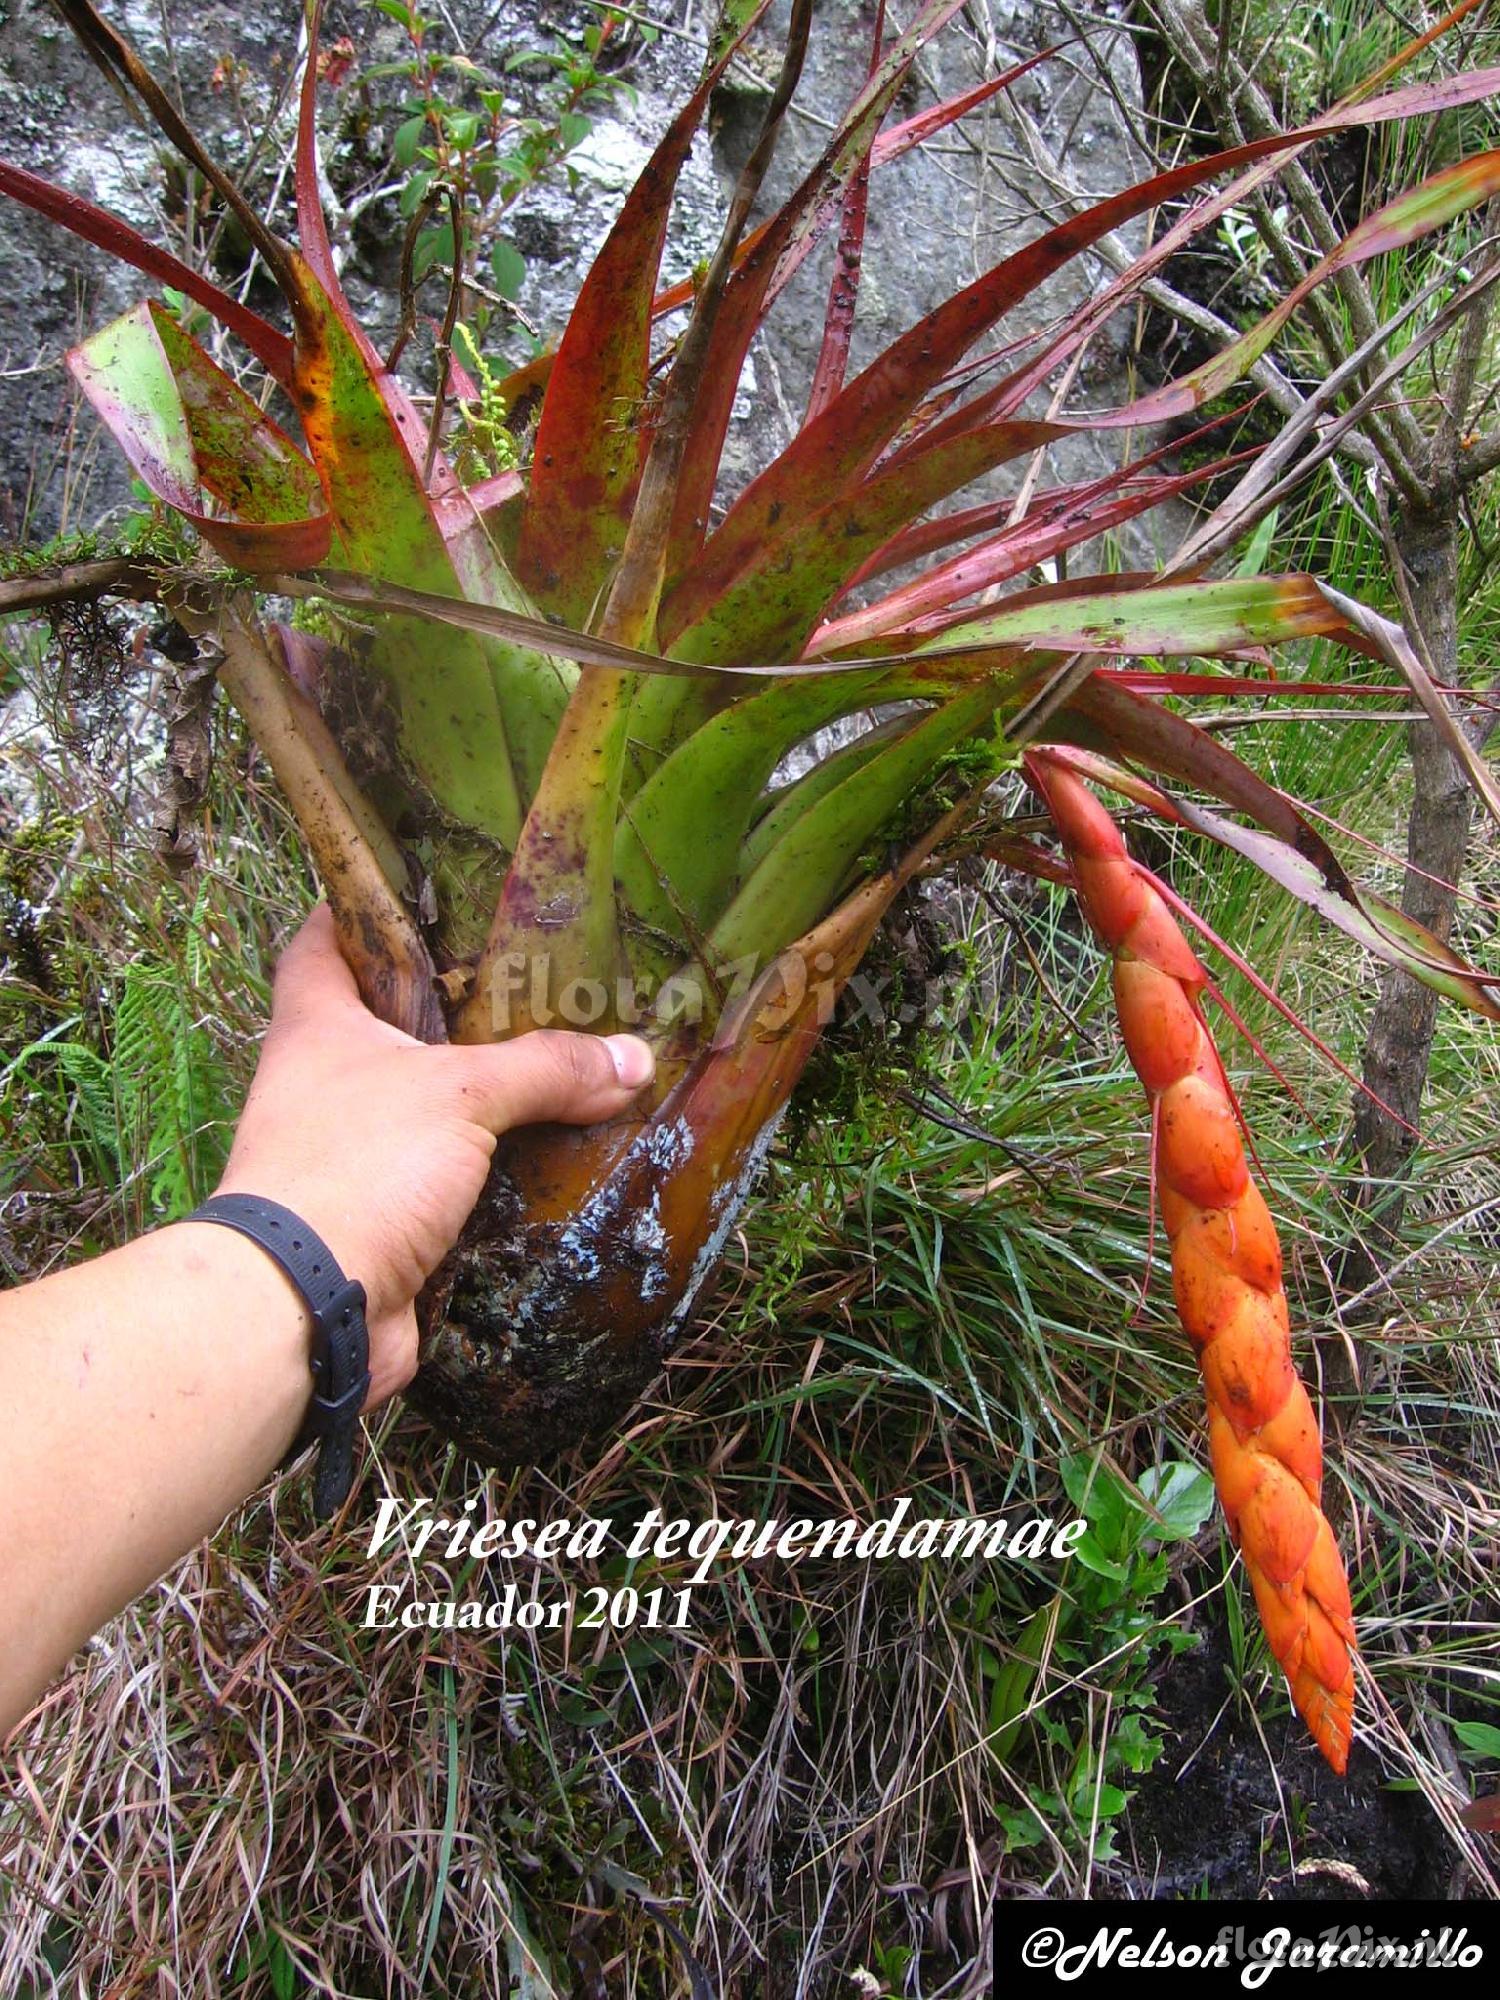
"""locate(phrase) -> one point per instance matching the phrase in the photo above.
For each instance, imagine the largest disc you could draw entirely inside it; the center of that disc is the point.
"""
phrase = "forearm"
(143, 1395)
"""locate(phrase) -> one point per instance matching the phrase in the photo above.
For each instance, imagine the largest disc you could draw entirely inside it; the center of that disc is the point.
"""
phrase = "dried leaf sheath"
(1226, 1271)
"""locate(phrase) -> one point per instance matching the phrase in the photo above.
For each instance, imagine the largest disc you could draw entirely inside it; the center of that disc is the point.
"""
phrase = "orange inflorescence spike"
(1226, 1272)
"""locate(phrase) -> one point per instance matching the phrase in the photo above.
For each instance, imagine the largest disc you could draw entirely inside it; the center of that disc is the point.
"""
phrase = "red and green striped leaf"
(1045, 530)
(790, 236)
(1222, 615)
(840, 447)
(191, 434)
(1412, 215)
(890, 146)
(806, 561)
(594, 432)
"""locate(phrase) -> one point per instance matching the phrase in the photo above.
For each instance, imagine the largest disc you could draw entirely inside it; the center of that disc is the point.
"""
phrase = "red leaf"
(771, 607)
(843, 287)
(107, 232)
(592, 438)
(900, 140)
(889, 146)
(312, 226)
(1053, 523)
(791, 235)
(312, 230)
(841, 446)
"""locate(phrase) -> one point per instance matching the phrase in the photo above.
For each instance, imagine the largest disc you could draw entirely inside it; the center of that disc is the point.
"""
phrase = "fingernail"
(633, 1059)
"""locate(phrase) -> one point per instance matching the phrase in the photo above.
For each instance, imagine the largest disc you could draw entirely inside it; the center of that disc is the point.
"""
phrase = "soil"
(1235, 1824)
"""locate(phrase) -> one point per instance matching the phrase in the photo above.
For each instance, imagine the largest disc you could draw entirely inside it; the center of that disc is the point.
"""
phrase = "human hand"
(383, 1143)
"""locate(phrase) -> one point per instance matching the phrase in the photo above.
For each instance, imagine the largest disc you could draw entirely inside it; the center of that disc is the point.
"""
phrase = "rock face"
(937, 218)
(61, 118)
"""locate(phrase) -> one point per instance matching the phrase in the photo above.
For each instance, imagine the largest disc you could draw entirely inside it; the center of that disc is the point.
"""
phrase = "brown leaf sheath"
(1226, 1270)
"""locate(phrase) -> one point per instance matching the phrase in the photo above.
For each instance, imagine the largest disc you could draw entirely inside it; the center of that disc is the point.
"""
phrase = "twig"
(445, 337)
(123, 576)
(1246, 111)
(406, 286)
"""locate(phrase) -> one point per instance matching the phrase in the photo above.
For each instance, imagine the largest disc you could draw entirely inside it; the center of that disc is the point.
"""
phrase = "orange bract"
(1226, 1272)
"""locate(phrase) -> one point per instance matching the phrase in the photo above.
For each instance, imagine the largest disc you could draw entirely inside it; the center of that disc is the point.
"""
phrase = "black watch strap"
(341, 1341)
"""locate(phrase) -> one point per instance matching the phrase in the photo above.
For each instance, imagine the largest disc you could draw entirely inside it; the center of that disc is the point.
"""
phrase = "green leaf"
(1077, 1478)
(414, 193)
(1093, 1558)
(580, 1715)
(1258, 549)
(533, 59)
(1169, 619)
(466, 348)
(573, 128)
(476, 717)
(1105, 1503)
(1023, 1828)
(283, 1970)
(1480, 1739)
(1182, 1494)
(797, 881)
(786, 805)
(509, 268)
(462, 128)
(434, 246)
(677, 851)
(1133, 1743)
(409, 137)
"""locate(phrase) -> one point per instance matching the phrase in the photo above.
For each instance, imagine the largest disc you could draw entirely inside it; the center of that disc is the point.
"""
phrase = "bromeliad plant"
(585, 676)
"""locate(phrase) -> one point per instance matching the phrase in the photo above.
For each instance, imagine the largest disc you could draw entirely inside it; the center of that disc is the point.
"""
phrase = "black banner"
(1054, 1946)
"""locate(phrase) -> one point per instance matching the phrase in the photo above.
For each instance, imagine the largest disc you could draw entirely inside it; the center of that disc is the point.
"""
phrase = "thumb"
(553, 1075)
(312, 975)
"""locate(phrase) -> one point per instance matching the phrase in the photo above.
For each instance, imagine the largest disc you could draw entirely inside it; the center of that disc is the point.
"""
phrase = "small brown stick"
(445, 337)
(406, 291)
